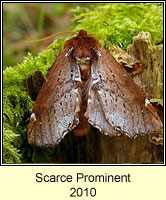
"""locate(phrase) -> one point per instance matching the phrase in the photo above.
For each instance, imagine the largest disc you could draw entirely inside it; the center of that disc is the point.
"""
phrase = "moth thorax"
(84, 66)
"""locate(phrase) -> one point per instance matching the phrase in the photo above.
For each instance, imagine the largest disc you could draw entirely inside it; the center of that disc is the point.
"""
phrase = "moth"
(86, 85)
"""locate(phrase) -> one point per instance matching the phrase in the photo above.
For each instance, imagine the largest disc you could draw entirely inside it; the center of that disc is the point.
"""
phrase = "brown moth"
(86, 85)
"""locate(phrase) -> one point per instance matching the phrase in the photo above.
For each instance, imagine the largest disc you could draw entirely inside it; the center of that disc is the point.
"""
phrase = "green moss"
(157, 101)
(17, 105)
(119, 22)
(10, 151)
(116, 22)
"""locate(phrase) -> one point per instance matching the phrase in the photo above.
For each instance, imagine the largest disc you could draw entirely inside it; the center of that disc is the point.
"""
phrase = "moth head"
(84, 48)
(82, 33)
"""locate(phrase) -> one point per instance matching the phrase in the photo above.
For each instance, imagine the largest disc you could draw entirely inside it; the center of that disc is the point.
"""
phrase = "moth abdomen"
(83, 127)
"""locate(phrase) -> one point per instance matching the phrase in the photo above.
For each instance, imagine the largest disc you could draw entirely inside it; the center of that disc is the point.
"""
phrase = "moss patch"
(119, 22)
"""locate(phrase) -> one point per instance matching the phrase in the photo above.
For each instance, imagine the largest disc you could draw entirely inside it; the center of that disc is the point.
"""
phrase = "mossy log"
(98, 148)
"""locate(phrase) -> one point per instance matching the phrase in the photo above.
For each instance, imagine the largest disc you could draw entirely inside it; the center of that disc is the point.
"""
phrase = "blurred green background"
(27, 21)
(116, 22)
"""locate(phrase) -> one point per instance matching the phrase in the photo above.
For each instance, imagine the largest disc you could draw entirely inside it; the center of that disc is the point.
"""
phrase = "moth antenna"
(106, 41)
(52, 36)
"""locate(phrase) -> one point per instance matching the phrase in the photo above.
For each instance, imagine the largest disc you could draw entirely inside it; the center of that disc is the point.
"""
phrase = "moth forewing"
(56, 107)
(87, 85)
(122, 102)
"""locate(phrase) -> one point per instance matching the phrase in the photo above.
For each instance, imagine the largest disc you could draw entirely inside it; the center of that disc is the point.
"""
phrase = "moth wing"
(121, 101)
(96, 115)
(56, 109)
